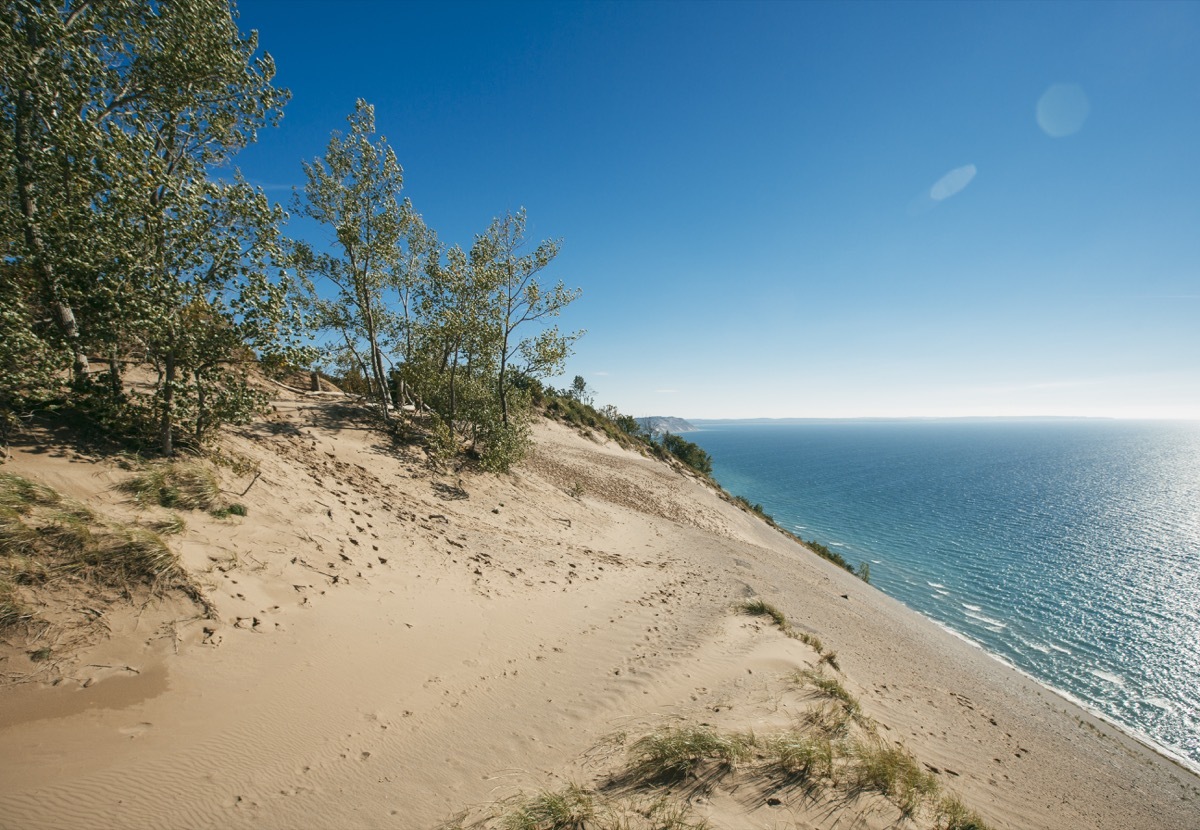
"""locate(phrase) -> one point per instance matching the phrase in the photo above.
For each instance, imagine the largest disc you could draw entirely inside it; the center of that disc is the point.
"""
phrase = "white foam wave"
(1115, 679)
(988, 621)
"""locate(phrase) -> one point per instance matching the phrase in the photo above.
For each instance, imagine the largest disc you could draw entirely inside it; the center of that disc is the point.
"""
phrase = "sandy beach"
(401, 647)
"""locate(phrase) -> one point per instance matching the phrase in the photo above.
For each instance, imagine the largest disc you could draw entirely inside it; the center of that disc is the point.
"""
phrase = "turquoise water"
(1069, 548)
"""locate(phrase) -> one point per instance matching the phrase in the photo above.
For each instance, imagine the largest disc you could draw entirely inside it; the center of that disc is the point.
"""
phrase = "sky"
(800, 209)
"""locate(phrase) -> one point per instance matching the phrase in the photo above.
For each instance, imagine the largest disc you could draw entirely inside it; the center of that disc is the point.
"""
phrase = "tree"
(218, 305)
(579, 390)
(104, 105)
(355, 190)
(113, 115)
(518, 299)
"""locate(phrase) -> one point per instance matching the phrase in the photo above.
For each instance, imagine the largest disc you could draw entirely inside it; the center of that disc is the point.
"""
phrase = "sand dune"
(397, 646)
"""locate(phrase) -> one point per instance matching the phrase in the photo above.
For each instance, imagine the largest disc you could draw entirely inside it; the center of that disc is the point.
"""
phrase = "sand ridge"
(396, 645)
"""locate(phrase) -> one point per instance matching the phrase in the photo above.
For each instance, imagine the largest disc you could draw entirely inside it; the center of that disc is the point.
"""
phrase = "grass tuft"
(811, 640)
(807, 759)
(178, 485)
(173, 525)
(893, 772)
(952, 814)
(674, 752)
(12, 611)
(568, 809)
(235, 509)
(128, 555)
(762, 608)
(22, 495)
(16, 537)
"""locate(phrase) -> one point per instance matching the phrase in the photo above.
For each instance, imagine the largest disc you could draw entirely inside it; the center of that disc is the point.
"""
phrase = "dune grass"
(173, 525)
(22, 495)
(178, 485)
(807, 759)
(891, 771)
(952, 814)
(674, 752)
(762, 608)
(571, 808)
(577, 808)
(12, 610)
(44, 537)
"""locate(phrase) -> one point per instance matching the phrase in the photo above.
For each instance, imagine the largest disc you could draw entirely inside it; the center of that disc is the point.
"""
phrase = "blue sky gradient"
(802, 209)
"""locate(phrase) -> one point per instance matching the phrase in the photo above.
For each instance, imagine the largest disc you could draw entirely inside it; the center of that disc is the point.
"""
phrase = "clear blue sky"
(802, 209)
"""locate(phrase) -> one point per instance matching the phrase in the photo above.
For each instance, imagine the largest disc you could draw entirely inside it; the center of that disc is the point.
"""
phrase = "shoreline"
(1182, 761)
(910, 570)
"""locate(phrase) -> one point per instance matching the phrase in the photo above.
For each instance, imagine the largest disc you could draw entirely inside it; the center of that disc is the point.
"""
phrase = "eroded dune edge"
(389, 645)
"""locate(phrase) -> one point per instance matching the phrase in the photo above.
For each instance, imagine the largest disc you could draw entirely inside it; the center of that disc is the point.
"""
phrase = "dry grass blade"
(128, 555)
(12, 612)
(805, 759)
(16, 537)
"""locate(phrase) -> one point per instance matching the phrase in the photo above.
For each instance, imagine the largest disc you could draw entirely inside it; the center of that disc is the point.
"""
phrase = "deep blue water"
(1069, 548)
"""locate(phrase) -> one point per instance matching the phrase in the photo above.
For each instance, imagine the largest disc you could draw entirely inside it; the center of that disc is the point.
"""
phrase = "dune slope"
(398, 647)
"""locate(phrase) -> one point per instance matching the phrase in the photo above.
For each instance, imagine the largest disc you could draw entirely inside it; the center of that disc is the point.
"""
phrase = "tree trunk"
(35, 244)
(114, 376)
(377, 363)
(168, 446)
(201, 399)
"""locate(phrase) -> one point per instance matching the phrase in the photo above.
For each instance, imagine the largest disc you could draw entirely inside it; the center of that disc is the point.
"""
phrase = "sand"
(397, 646)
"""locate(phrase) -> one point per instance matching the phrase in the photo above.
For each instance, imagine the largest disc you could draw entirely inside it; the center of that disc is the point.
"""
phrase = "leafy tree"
(355, 190)
(579, 390)
(103, 103)
(114, 113)
(519, 299)
(218, 305)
